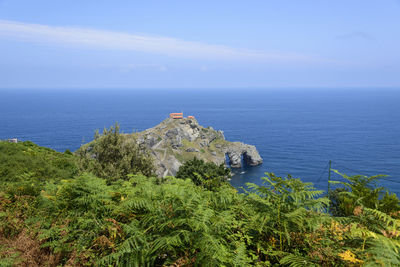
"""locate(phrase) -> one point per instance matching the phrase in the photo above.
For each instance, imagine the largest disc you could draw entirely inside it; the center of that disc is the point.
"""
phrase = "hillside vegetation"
(60, 209)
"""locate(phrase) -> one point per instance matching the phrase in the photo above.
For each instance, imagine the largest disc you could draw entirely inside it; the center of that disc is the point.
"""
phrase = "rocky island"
(174, 141)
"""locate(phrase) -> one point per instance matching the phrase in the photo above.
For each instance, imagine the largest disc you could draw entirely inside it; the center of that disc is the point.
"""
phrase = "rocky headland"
(174, 141)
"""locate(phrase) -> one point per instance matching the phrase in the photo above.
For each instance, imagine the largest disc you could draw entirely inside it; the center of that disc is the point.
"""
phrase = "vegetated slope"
(17, 161)
(146, 221)
(25, 168)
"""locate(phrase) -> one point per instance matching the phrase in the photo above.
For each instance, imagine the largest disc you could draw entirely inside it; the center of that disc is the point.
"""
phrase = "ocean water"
(296, 131)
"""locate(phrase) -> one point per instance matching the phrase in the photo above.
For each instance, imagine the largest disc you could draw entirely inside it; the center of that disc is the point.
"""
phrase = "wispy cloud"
(357, 35)
(126, 68)
(94, 38)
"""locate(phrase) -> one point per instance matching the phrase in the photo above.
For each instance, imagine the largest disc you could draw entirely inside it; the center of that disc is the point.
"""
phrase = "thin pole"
(329, 181)
(329, 177)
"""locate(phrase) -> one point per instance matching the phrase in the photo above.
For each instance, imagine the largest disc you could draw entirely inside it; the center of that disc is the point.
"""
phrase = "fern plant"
(286, 209)
(361, 190)
(373, 233)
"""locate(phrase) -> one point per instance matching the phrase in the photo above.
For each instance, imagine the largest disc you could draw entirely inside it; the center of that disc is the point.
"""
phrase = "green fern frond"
(296, 261)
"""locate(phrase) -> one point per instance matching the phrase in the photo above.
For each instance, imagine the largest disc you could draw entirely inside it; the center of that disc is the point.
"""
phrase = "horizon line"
(201, 88)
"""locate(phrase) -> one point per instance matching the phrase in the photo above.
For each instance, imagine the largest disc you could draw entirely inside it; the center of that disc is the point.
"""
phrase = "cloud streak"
(356, 35)
(110, 40)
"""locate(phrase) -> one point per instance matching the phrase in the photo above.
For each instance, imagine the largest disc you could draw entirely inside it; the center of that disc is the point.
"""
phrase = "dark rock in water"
(173, 142)
(249, 153)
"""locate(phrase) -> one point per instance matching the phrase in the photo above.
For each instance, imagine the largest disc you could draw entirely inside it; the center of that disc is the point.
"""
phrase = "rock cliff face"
(172, 142)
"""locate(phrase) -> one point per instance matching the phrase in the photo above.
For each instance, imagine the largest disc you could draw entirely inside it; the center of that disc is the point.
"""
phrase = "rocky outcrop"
(236, 151)
(172, 142)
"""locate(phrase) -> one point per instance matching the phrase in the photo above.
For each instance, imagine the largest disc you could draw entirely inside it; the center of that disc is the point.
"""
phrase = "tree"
(206, 174)
(114, 155)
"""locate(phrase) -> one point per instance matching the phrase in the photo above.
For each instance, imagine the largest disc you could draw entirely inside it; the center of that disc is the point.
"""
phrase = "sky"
(199, 44)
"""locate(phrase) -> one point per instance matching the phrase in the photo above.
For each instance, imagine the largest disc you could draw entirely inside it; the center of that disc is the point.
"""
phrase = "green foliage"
(25, 167)
(360, 190)
(141, 221)
(114, 155)
(206, 174)
(286, 213)
(27, 158)
(373, 219)
(197, 219)
(376, 237)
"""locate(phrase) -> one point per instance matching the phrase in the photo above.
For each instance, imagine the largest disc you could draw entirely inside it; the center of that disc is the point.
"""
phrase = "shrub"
(206, 174)
(114, 155)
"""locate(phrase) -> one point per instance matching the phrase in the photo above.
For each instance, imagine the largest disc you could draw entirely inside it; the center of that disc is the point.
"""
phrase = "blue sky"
(199, 44)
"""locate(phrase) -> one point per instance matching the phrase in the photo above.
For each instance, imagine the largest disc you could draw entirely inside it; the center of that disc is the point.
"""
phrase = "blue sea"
(297, 131)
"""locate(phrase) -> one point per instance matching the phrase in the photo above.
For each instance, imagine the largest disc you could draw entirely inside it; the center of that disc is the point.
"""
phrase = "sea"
(297, 131)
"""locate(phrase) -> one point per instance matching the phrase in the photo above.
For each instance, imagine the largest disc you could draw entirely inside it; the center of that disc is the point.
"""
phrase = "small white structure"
(13, 140)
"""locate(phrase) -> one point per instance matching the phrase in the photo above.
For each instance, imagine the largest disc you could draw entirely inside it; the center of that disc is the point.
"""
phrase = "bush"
(206, 174)
(113, 156)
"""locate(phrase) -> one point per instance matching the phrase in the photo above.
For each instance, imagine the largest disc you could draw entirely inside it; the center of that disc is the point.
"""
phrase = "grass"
(26, 158)
(184, 156)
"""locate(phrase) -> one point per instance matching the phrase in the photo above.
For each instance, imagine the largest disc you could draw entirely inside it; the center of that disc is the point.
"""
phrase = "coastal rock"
(172, 142)
(150, 139)
(238, 151)
(174, 137)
